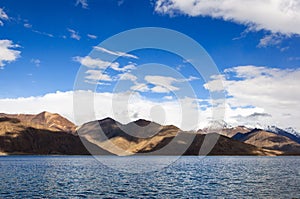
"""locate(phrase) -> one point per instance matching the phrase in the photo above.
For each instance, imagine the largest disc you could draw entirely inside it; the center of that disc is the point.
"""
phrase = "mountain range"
(48, 133)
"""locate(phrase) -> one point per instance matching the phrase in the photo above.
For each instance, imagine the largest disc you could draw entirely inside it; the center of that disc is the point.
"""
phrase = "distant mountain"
(44, 120)
(18, 137)
(291, 133)
(125, 139)
(269, 140)
(48, 133)
(144, 137)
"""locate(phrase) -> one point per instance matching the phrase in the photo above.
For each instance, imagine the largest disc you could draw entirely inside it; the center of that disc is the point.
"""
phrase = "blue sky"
(49, 39)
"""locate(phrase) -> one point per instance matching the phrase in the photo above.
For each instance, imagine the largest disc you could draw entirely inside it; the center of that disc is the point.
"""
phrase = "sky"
(48, 48)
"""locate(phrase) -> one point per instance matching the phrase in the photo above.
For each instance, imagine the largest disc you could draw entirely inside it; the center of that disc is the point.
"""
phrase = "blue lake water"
(188, 177)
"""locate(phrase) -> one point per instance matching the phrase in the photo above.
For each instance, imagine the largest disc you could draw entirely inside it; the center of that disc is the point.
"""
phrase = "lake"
(188, 177)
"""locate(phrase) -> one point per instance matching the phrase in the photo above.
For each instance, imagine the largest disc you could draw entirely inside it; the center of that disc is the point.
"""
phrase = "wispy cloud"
(74, 34)
(92, 36)
(270, 40)
(36, 62)
(43, 33)
(294, 59)
(3, 16)
(7, 52)
(120, 2)
(116, 53)
(83, 3)
(27, 25)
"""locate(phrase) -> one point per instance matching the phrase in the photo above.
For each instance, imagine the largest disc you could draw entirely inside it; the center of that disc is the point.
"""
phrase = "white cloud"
(97, 75)
(168, 97)
(74, 34)
(92, 36)
(116, 53)
(3, 16)
(123, 107)
(123, 69)
(95, 62)
(275, 91)
(83, 3)
(276, 16)
(101, 64)
(163, 84)
(36, 62)
(7, 52)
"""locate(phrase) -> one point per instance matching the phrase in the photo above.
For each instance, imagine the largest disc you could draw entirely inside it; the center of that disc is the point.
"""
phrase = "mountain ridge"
(139, 137)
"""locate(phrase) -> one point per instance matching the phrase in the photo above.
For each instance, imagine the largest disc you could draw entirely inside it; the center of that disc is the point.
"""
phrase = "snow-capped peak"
(218, 124)
(292, 131)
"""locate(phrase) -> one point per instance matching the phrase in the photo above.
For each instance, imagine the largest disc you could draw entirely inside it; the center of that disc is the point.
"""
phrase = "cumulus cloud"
(83, 3)
(7, 52)
(116, 53)
(74, 34)
(275, 91)
(276, 16)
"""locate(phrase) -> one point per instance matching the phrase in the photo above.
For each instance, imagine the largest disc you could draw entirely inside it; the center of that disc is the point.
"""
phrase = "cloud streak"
(116, 53)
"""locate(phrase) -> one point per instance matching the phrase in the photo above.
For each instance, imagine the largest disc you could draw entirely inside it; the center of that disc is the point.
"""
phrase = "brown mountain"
(269, 140)
(44, 120)
(149, 138)
(48, 133)
(18, 137)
